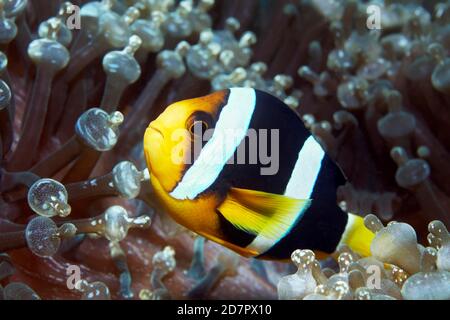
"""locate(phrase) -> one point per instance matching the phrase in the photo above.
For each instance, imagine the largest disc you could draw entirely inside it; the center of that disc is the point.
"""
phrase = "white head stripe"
(230, 129)
(300, 185)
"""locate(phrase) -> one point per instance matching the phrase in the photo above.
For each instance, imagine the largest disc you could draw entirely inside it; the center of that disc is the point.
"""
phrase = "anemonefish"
(231, 202)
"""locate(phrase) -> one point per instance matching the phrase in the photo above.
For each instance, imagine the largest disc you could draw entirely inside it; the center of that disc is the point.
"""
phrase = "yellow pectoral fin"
(264, 214)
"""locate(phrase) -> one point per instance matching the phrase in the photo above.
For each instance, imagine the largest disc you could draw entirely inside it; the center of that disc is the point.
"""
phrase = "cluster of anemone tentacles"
(399, 268)
(74, 104)
(69, 192)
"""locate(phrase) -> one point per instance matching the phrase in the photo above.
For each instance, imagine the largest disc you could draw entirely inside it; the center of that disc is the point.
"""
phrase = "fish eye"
(198, 126)
(198, 123)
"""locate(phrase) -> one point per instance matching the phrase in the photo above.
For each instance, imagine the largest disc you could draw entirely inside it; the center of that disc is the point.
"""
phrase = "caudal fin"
(357, 236)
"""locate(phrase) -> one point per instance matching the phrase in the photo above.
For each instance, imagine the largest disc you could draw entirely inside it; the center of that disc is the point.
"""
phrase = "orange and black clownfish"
(232, 203)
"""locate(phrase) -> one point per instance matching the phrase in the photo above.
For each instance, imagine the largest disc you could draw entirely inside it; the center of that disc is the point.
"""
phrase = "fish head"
(173, 140)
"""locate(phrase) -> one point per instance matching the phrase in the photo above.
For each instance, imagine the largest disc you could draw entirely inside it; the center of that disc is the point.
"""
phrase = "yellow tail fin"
(357, 236)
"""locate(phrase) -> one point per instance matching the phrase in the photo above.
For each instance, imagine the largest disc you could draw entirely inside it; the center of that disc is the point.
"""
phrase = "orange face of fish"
(168, 144)
(168, 139)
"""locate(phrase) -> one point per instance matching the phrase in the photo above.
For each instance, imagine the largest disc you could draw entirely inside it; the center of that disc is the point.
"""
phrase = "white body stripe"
(350, 222)
(307, 168)
(261, 243)
(230, 129)
(300, 185)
